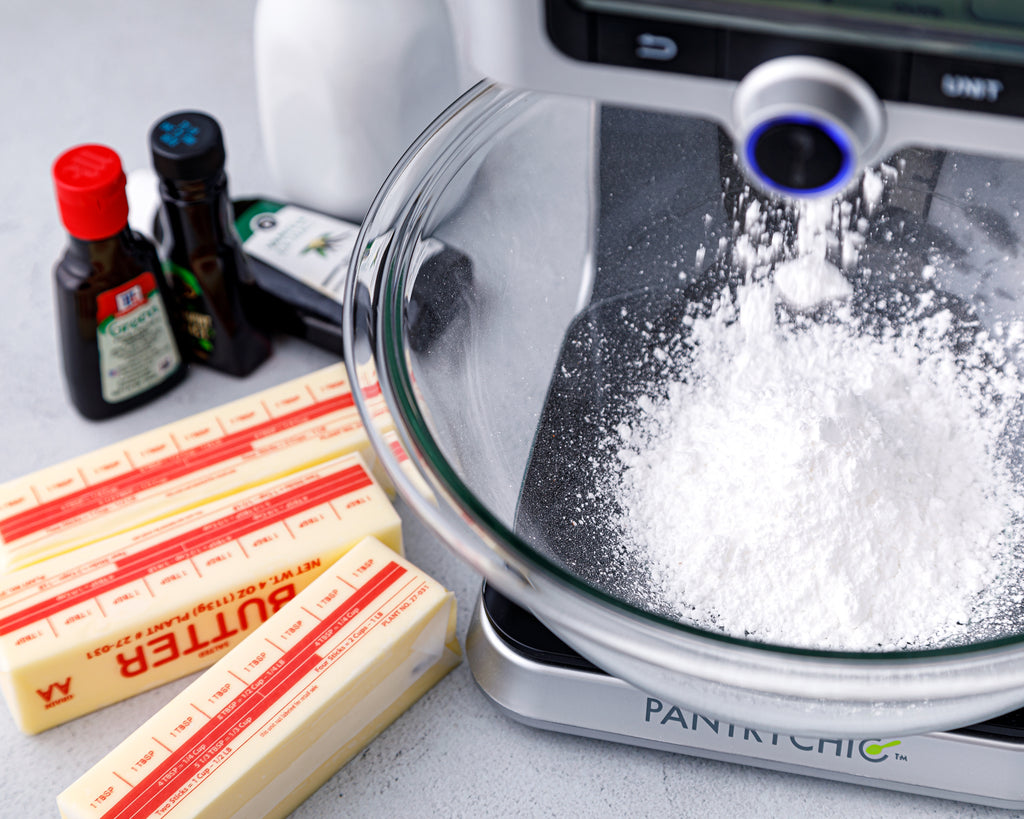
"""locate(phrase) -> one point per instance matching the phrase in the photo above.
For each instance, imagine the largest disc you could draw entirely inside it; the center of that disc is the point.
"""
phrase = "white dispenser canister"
(344, 87)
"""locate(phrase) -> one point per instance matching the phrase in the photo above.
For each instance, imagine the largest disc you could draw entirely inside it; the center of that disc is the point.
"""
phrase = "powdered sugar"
(829, 482)
(807, 281)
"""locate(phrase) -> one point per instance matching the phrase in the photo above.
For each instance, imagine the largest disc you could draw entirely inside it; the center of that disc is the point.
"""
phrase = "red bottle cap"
(91, 191)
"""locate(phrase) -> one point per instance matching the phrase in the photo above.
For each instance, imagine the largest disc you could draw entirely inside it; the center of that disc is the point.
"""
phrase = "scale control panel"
(810, 92)
(965, 55)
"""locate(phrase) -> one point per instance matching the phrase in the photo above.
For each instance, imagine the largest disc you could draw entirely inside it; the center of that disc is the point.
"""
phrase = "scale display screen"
(978, 27)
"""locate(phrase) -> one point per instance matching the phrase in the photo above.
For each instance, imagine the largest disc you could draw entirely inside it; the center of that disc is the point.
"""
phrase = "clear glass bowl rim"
(373, 332)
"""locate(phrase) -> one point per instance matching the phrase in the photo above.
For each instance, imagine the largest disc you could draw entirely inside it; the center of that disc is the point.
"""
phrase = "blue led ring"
(836, 134)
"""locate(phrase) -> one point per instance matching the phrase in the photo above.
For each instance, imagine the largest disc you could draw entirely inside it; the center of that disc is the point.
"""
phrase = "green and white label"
(310, 247)
(136, 344)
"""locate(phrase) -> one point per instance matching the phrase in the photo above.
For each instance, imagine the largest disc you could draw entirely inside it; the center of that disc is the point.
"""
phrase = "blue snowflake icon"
(178, 133)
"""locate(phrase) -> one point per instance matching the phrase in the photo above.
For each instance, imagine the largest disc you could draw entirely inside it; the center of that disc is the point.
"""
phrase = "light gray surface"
(105, 71)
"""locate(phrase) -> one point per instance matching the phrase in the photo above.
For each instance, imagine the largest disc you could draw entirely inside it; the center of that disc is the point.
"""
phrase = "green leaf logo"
(322, 244)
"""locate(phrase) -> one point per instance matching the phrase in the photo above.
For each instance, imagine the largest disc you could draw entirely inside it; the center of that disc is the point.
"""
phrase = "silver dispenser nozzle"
(805, 127)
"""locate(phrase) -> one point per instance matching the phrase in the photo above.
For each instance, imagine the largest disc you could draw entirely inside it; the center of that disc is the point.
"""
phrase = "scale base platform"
(537, 680)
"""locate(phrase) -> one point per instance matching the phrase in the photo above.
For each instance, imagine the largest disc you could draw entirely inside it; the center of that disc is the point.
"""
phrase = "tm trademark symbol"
(901, 757)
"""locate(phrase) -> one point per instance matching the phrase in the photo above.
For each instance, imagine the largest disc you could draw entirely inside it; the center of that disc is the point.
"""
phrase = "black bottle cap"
(186, 146)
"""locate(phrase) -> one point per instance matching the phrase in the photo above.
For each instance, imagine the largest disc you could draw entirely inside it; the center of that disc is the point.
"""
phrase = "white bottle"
(344, 87)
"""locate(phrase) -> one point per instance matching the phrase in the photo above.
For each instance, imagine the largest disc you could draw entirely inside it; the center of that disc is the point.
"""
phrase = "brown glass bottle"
(118, 339)
(203, 258)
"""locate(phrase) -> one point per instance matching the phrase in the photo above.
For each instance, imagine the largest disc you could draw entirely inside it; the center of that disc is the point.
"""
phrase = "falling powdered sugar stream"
(825, 482)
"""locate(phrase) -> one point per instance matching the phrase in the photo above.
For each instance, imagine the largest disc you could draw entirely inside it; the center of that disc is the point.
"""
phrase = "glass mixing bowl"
(556, 213)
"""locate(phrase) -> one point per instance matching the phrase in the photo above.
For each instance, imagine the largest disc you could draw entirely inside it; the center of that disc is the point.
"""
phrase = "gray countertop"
(104, 71)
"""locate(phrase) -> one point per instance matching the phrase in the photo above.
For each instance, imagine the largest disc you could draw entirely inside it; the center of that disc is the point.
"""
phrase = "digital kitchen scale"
(536, 679)
(709, 98)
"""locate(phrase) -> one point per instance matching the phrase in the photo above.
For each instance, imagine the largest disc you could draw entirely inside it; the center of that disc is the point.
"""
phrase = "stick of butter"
(124, 614)
(243, 443)
(274, 719)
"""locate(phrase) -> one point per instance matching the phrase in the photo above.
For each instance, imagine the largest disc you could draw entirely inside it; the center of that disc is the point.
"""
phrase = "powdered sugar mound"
(812, 484)
(805, 282)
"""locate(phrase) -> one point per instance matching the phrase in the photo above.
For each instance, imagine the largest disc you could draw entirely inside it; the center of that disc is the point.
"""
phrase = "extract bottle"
(116, 332)
(203, 258)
